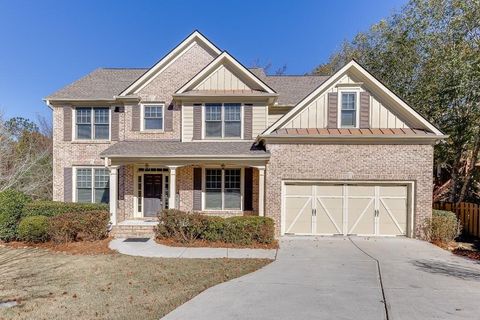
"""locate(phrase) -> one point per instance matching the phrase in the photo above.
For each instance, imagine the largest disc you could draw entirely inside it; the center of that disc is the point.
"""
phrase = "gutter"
(187, 157)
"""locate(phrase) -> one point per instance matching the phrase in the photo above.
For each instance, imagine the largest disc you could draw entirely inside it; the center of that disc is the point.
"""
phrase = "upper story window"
(223, 120)
(348, 110)
(92, 185)
(92, 123)
(153, 117)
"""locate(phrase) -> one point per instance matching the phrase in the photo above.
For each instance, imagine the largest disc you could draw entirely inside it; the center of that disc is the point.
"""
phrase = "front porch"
(223, 185)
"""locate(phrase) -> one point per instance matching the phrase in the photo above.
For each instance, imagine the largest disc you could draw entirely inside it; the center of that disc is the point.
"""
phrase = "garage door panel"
(298, 189)
(361, 209)
(329, 191)
(393, 191)
(361, 215)
(361, 191)
(299, 215)
(392, 216)
(329, 218)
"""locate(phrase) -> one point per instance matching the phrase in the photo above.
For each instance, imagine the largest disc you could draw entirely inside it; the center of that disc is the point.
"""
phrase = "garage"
(380, 209)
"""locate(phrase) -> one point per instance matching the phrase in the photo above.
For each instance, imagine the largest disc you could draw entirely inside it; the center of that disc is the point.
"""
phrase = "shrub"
(442, 227)
(53, 208)
(179, 226)
(11, 205)
(33, 229)
(75, 226)
(186, 227)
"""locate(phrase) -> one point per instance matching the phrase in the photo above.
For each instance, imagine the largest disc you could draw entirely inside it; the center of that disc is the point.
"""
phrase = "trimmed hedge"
(54, 208)
(11, 207)
(76, 226)
(443, 227)
(186, 227)
(33, 229)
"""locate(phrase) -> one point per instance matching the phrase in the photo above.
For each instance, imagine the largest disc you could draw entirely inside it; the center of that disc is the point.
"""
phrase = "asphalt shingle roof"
(168, 149)
(102, 83)
(292, 89)
(105, 83)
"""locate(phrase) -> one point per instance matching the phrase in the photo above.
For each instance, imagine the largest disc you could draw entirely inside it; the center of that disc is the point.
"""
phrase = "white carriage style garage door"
(362, 209)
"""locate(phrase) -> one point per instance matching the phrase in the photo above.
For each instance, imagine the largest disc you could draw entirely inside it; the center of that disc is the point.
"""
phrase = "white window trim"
(242, 123)
(242, 187)
(142, 117)
(357, 91)
(74, 181)
(92, 117)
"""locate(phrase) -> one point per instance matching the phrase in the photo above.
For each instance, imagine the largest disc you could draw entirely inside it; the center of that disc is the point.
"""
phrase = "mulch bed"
(465, 247)
(467, 253)
(216, 244)
(75, 248)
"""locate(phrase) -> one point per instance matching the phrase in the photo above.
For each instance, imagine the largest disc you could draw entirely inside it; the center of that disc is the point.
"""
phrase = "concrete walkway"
(152, 249)
(336, 278)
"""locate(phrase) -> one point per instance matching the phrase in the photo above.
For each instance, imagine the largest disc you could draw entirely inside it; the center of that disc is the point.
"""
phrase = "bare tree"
(25, 158)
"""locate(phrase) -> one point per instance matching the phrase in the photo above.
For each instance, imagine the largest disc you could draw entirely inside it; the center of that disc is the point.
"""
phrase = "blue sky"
(48, 44)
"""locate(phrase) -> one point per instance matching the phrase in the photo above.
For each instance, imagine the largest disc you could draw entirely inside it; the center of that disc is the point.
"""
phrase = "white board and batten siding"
(259, 119)
(187, 122)
(315, 114)
(222, 79)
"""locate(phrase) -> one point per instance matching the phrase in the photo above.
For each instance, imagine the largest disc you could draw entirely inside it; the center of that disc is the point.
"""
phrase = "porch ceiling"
(158, 149)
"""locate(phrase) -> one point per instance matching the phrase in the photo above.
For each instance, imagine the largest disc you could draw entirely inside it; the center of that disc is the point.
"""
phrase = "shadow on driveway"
(448, 269)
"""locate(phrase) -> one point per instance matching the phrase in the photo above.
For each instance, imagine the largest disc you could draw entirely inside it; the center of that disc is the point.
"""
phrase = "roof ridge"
(121, 68)
(296, 75)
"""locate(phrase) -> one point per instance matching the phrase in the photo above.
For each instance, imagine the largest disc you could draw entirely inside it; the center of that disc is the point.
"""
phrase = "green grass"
(60, 286)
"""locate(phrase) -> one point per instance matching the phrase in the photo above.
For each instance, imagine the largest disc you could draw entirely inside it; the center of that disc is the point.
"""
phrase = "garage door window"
(223, 189)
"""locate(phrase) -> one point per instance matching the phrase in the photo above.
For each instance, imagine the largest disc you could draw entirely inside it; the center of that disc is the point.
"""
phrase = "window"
(223, 120)
(348, 112)
(93, 185)
(223, 189)
(92, 123)
(153, 117)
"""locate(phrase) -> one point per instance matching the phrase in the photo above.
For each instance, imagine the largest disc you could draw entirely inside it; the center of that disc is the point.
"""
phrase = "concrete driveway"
(338, 278)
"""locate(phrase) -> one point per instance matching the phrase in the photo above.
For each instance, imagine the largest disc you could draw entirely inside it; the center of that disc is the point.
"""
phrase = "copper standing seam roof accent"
(352, 132)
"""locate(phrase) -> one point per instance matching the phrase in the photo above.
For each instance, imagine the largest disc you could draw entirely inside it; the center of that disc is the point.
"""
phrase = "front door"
(152, 194)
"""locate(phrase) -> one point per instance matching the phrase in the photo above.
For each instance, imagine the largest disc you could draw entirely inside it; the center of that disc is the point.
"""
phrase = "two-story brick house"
(198, 131)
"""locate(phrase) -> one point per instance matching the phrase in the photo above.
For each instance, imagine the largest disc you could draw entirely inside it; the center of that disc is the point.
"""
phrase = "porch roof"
(162, 149)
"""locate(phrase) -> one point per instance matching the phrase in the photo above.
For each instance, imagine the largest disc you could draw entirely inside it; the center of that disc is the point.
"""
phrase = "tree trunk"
(470, 167)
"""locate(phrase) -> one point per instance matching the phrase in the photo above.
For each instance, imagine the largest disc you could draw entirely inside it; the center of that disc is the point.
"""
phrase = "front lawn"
(51, 285)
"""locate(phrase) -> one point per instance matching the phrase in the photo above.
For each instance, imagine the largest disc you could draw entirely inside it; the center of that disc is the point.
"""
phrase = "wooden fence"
(468, 214)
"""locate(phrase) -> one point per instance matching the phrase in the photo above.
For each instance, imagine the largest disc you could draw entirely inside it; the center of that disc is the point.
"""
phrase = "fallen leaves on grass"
(76, 248)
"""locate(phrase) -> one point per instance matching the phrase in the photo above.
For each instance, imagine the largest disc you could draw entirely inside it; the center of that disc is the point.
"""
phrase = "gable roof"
(194, 37)
(100, 84)
(403, 108)
(222, 59)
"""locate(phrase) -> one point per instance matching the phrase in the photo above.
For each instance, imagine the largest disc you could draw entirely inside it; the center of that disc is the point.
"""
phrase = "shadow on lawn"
(27, 266)
(448, 269)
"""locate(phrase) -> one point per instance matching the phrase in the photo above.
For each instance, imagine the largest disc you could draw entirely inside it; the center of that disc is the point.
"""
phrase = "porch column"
(172, 204)
(261, 191)
(113, 194)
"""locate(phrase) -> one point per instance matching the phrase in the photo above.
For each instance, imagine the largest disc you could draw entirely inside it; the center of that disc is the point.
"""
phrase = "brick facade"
(350, 162)
(288, 161)
(76, 153)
